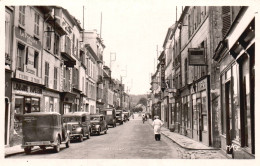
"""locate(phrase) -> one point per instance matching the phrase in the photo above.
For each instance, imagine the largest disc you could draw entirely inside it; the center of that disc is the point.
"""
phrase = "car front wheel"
(27, 150)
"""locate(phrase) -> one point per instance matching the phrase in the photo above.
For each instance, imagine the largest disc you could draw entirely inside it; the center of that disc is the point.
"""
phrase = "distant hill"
(136, 98)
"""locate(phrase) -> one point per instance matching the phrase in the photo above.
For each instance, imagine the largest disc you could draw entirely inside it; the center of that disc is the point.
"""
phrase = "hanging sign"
(196, 57)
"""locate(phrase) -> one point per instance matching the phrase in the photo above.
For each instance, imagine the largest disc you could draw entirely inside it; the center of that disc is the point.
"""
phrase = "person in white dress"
(157, 124)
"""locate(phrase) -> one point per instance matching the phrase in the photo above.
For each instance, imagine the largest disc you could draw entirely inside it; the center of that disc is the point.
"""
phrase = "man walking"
(157, 124)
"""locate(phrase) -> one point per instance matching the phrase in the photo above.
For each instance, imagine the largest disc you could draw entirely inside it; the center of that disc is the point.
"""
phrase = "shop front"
(237, 76)
(51, 101)
(201, 111)
(186, 113)
(26, 99)
(67, 99)
(8, 101)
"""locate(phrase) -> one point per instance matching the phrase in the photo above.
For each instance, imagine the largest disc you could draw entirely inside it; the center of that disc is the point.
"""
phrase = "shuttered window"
(46, 74)
(226, 18)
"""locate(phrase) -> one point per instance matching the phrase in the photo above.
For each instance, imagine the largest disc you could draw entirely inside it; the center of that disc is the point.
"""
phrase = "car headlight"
(97, 126)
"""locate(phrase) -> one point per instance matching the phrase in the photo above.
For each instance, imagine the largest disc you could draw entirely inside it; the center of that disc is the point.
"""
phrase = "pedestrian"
(157, 124)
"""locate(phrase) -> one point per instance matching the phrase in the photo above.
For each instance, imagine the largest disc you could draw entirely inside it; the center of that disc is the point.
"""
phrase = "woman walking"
(157, 124)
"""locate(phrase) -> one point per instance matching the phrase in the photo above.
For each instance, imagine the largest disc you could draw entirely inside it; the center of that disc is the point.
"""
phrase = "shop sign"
(29, 68)
(22, 35)
(163, 83)
(196, 57)
(202, 85)
(27, 77)
(21, 88)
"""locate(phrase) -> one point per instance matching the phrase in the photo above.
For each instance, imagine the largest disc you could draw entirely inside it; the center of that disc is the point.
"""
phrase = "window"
(46, 74)
(51, 104)
(20, 57)
(83, 84)
(226, 19)
(7, 35)
(86, 88)
(75, 80)
(56, 44)
(73, 44)
(77, 47)
(48, 38)
(55, 77)
(186, 72)
(82, 59)
(195, 112)
(68, 45)
(36, 23)
(36, 61)
(22, 15)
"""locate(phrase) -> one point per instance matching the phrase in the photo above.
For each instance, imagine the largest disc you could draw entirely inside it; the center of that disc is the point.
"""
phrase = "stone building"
(235, 55)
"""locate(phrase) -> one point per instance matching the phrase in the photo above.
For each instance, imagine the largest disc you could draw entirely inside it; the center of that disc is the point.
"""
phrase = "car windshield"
(71, 119)
(94, 118)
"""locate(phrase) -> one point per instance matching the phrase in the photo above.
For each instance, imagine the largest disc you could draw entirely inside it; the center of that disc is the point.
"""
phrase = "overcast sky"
(131, 29)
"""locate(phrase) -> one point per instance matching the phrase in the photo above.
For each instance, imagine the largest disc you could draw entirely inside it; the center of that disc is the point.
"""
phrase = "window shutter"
(226, 19)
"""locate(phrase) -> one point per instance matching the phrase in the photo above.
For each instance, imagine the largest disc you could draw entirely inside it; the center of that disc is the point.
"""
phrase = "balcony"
(54, 19)
(7, 59)
(100, 79)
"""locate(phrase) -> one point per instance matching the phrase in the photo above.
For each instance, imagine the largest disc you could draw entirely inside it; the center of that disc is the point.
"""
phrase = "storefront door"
(199, 119)
(228, 115)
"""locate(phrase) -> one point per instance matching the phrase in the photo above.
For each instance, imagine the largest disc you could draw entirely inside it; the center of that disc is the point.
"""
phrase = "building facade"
(236, 57)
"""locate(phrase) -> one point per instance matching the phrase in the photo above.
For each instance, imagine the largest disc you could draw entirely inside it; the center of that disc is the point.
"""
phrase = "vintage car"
(125, 116)
(78, 123)
(110, 116)
(119, 118)
(98, 124)
(44, 129)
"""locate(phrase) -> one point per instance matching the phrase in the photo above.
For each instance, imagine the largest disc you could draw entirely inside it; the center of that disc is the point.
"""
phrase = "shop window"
(36, 23)
(67, 108)
(51, 107)
(195, 112)
(223, 103)
(235, 102)
(22, 15)
(205, 123)
(246, 110)
(189, 116)
(18, 113)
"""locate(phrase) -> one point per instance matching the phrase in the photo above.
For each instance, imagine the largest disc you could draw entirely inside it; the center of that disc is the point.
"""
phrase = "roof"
(75, 114)
(41, 113)
(96, 115)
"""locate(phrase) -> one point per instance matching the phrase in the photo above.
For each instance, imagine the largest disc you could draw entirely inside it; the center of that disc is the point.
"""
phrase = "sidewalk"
(9, 151)
(183, 141)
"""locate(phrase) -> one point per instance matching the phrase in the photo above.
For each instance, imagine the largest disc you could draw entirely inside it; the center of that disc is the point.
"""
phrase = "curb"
(21, 152)
(184, 146)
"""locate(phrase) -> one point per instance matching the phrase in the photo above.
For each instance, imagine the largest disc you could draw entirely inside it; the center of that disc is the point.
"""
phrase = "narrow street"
(132, 140)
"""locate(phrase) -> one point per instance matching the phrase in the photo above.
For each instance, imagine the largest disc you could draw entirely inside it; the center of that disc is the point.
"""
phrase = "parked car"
(119, 118)
(110, 116)
(44, 129)
(98, 124)
(126, 116)
(78, 123)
